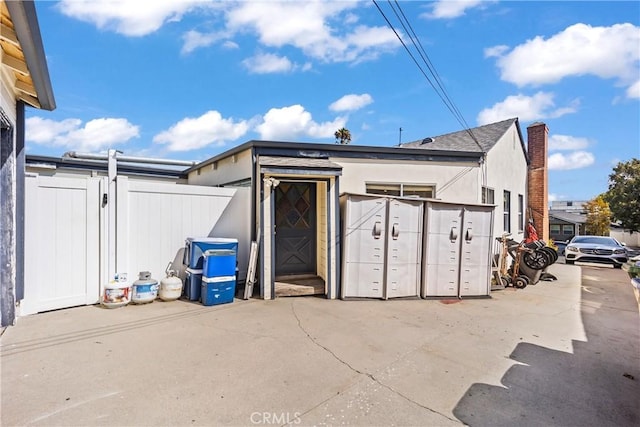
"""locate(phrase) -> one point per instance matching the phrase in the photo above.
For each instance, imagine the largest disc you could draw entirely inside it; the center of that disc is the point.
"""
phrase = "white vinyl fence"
(67, 230)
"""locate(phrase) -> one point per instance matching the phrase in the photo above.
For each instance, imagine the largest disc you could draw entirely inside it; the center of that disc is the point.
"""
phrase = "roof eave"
(253, 144)
(25, 20)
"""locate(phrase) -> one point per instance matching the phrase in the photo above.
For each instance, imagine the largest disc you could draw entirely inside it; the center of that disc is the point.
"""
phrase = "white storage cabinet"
(382, 242)
(457, 250)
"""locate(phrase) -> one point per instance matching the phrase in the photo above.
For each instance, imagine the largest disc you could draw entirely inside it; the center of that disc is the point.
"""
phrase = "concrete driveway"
(557, 353)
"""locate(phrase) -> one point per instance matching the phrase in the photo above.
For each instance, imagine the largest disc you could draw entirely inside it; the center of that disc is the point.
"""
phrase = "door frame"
(313, 184)
(267, 221)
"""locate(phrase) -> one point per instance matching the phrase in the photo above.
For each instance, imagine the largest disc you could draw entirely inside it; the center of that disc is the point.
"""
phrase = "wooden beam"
(31, 100)
(26, 88)
(15, 64)
(9, 35)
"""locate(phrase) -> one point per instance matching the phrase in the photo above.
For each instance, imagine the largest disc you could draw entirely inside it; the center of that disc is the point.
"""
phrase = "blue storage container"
(192, 284)
(219, 262)
(218, 290)
(195, 248)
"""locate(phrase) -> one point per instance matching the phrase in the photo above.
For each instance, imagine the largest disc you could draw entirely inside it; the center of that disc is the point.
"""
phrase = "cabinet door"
(442, 246)
(475, 262)
(404, 248)
(364, 247)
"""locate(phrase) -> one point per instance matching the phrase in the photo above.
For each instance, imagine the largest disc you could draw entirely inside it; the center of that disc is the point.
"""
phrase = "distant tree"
(598, 217)
(623, 195)
(343, 136)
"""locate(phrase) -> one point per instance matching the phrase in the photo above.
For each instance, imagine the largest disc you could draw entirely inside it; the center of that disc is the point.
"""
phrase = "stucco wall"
(454, 182)
(507, 170)
(227, 170)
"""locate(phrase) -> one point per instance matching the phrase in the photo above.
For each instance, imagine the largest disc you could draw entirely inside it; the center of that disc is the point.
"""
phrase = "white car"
(596, 249)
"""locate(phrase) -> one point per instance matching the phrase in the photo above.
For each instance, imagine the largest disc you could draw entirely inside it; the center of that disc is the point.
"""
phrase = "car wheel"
(617, 265)
(570, 262)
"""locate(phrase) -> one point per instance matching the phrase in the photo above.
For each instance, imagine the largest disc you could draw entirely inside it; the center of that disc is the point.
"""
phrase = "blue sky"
(190, 79)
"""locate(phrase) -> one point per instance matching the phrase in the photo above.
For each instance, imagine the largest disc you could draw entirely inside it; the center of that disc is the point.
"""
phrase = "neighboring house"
(25, 82)
(295, 189)
(565, 225)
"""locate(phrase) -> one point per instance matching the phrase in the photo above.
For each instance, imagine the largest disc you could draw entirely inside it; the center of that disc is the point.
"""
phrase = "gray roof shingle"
(486, 135)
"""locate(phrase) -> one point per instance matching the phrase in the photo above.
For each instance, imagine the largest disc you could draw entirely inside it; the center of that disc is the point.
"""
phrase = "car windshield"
(595, 240)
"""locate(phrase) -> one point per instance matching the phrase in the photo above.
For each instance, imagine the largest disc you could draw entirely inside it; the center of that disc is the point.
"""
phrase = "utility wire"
(438, 86)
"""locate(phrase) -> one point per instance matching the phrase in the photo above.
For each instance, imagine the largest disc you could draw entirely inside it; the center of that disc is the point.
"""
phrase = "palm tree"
(343, 136)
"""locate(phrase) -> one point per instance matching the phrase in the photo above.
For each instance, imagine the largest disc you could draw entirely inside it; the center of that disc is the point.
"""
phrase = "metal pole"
(111, 217)
(400, 138)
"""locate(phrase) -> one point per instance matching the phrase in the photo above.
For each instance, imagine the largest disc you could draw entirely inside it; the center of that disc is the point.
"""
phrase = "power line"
(438, 86)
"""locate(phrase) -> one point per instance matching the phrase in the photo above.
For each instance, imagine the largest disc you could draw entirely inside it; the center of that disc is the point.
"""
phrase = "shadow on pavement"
(597, 384)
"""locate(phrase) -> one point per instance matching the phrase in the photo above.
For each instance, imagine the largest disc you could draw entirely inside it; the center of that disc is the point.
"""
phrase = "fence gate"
(62, 243)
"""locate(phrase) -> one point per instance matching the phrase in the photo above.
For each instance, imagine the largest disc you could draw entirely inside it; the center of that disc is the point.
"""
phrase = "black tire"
(552, 252)
(617, 265)
(505, 282)
(568, 261)
(536, 260)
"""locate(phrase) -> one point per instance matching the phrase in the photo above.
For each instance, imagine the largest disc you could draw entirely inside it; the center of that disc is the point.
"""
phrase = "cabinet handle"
(395, 231)
(469, 235)
(453, 234)
(377, 230)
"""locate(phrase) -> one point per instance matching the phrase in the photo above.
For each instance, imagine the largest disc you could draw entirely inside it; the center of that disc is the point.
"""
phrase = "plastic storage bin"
(218, 290)
(219, 262)
(192, 284)
(195, 248)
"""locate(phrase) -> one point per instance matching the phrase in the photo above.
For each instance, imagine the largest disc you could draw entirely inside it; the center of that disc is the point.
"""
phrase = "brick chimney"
(538, 185)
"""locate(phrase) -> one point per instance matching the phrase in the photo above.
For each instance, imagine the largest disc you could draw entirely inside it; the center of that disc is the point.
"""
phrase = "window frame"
(520, 212)
(506, 210)
(399, 189)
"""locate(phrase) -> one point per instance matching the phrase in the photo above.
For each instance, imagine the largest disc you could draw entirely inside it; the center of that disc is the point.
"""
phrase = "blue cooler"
(195, 247)
(219, 262)
(192, 284)
(218, 290)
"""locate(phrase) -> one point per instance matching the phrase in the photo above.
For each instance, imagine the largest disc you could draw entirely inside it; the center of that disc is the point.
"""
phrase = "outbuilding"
(295, 189)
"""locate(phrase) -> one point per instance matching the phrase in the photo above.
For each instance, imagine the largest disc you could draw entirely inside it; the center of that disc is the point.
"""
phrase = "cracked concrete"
(310, 361)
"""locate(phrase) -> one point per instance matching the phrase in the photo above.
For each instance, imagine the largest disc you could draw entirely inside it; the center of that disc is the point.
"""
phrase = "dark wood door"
(295, 219)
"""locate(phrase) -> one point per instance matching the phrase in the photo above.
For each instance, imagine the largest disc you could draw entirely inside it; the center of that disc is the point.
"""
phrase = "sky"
(189, 79)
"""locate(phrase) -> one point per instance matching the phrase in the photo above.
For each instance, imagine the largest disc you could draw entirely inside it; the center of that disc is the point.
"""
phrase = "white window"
(506, 205)
(488, 196)
(406, 190)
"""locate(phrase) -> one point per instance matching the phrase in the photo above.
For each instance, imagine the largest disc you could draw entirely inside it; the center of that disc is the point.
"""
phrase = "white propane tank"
(170, 286)
(145, 289)
(117, 293)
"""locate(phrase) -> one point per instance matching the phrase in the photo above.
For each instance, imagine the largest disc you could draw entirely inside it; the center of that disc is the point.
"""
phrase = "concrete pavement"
(556, 353)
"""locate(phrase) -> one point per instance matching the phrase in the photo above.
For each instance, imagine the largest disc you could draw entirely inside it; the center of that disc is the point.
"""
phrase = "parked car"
(561, 245)
(596, 249)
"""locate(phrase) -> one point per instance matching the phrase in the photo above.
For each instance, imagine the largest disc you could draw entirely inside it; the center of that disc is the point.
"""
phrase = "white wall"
(626, 237)
(507, 170)
(454, 182)
(230, 169)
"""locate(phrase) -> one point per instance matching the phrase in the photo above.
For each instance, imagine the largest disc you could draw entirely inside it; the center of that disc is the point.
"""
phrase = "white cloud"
(95, 135)
(446, 9)
(195, 39)
(495, 51)
(526, 108)
(634, 90)
(126, 17)
(605, 52)
(194, 133)
(575, 160)
(312, 27)
(553, 197)
(321, 30)
(266, 63)
(567, 143)
(351, 102)
(293, 122)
